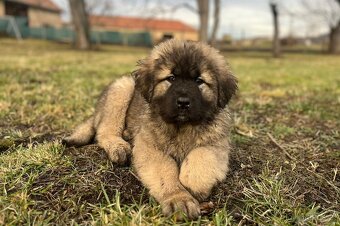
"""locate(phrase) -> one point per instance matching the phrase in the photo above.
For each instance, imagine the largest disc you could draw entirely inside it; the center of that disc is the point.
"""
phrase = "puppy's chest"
(179, 145)
(178, 150)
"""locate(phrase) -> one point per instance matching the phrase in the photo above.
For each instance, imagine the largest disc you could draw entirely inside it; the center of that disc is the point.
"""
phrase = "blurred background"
(291, 25)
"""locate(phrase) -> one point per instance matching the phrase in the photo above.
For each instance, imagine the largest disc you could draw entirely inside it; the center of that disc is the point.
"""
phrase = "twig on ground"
(133, 174)
(279, 146)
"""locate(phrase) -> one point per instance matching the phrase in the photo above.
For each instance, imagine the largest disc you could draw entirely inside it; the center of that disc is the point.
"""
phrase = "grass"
(286, 140)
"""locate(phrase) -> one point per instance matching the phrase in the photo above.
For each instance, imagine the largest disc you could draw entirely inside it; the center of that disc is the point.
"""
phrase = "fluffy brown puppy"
(173, 112)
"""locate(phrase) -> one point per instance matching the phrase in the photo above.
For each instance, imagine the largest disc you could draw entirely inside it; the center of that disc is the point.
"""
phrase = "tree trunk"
(203, 12)
(334, 39)
(216, 22)
(276, 40)
(81, 24)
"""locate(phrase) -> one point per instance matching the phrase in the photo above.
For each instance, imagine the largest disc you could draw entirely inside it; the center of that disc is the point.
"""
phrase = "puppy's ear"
(227, 87)
(144, 82)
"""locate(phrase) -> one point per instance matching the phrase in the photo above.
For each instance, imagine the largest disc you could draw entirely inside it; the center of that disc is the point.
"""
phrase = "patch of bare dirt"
(89, 175)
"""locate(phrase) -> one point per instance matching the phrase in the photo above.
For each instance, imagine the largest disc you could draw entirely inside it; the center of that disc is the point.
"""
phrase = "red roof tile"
(139, 23)
(45, 4)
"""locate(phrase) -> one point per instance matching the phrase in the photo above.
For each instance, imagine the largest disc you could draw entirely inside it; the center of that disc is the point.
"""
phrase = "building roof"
(42, 4)
(123, 22)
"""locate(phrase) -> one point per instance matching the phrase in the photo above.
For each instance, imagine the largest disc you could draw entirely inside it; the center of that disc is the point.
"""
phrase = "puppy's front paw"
(180, 205)
(201, 195)
(71, 142)
(118, 151)
(66, 141)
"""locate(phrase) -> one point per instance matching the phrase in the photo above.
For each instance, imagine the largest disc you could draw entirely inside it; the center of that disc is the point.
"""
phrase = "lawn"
(286, 141)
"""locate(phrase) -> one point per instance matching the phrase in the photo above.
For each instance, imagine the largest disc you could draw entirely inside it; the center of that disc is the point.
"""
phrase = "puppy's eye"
(171, 78)
(199, 81)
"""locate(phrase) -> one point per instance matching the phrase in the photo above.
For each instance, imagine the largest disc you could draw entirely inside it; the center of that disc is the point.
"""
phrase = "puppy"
(171, 116)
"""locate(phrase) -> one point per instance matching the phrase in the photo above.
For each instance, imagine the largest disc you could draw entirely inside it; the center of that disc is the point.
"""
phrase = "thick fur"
(108, 122)
(173, 113)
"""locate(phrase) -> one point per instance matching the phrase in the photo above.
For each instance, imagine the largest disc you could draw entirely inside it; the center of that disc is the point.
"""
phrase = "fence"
(68, 35)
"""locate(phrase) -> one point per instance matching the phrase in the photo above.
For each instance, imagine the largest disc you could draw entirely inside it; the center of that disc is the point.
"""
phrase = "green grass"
(284, 167)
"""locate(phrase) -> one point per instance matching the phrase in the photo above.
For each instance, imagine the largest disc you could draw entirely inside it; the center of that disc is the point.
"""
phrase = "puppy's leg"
(82, 135)
(111, 121)
(159, 173)
(203, 168)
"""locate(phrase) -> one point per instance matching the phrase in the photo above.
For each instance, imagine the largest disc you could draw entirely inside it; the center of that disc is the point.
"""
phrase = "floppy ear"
(227, 86)
(144, 83)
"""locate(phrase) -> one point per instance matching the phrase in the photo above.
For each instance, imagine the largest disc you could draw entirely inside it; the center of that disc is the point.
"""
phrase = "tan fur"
(108, 122)
(179, 165)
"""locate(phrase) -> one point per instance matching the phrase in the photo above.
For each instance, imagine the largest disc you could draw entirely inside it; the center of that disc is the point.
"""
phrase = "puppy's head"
(185, 82)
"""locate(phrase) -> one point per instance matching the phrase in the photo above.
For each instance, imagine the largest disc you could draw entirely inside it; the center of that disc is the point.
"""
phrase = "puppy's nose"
(183, 102)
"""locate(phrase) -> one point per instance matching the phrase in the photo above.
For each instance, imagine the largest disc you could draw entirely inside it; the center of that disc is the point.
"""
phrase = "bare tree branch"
(104, 7)
(329, 12)
(189, 7)
(217, 8)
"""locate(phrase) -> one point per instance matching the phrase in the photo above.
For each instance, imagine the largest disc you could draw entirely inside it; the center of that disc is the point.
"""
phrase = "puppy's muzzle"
(183, 103)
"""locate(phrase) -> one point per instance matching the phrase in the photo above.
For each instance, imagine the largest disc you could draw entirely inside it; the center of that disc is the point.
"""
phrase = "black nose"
(183, 102)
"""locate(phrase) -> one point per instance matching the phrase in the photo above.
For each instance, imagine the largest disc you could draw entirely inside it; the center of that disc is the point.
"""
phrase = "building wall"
(185, 35)
(157, 35)
(2, 8)
(40, 18)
